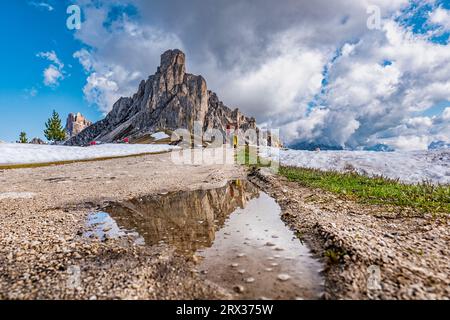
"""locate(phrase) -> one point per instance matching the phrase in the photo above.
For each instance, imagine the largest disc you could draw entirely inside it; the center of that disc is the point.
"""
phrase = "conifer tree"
(23, 137)
(54, 130)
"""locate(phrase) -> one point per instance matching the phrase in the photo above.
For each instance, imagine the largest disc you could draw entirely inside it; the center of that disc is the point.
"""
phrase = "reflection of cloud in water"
(257, 241)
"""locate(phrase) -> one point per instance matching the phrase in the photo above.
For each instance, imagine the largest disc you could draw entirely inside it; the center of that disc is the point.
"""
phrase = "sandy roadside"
(371, 252)
(43, 212)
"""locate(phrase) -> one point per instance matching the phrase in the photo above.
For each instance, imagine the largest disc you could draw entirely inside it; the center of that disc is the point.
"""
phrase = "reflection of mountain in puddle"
(185, 220)
(235, 232)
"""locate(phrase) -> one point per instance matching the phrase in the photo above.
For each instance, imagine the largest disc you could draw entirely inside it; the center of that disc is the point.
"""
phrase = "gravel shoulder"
(42, 219)
(371, 252)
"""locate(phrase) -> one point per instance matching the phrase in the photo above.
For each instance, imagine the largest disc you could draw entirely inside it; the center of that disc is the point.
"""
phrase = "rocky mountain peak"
(173, 59)
(168, 100)
(172, 69)
(75, 124)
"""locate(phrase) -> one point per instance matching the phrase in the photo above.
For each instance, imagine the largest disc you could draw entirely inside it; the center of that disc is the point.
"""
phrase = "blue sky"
(312, 68)
(25, 31)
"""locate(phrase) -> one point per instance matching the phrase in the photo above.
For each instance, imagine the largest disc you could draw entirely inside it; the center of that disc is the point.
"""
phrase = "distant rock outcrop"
(37, 141)
(75, 124)
(168, 100)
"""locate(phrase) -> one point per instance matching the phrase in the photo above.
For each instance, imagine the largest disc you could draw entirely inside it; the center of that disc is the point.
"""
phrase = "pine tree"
(23, 137)
(54, 130)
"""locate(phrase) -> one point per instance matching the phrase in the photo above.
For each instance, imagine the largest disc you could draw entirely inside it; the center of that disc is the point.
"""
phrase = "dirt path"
(372, 252)
(42, 215)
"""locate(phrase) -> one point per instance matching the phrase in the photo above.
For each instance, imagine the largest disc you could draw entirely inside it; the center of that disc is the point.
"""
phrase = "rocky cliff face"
(168, 100)
(75, 124)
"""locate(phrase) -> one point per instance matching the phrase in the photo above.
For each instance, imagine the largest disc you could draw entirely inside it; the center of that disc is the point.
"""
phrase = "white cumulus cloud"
(441, 17)
(311, 68)
(54, 73)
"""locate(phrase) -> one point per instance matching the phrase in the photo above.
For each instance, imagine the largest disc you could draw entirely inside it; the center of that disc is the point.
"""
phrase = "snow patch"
(407, 166)
(160, 136)
(16, 153)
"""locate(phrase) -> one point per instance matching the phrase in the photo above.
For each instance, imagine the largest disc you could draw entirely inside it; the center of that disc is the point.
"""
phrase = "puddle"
(235, 232)
(256, 252)
(102, 226)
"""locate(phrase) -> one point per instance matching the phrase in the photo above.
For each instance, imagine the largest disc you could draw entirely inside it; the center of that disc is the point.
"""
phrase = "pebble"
(283, 277)
(250, 280)
(238, 289)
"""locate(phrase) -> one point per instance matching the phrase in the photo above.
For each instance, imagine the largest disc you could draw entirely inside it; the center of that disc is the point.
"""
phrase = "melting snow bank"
(160, 136)
(409, 167)
(15, 153)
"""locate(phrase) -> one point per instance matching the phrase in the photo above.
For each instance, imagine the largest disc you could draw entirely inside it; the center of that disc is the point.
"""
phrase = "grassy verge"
(376, 190)
(372, 190)
(248, 156)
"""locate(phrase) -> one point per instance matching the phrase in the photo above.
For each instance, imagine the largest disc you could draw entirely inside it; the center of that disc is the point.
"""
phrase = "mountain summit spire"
(173, 58)
(173, 67)
(170, 99)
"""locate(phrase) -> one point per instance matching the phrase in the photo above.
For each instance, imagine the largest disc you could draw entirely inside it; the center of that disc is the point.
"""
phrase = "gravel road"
(43, 254)
(372, 252)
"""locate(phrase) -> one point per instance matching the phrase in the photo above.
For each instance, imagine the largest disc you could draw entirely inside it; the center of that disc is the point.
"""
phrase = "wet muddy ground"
(369, 251)
(258, 257)
(233, 233)
(43, 213)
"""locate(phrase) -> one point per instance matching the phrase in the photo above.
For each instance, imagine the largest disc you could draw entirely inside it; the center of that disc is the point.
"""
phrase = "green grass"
(374, 190)
(334, 256)
(248, 155)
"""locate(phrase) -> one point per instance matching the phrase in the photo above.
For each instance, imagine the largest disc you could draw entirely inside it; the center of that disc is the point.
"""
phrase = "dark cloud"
(268, 58)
